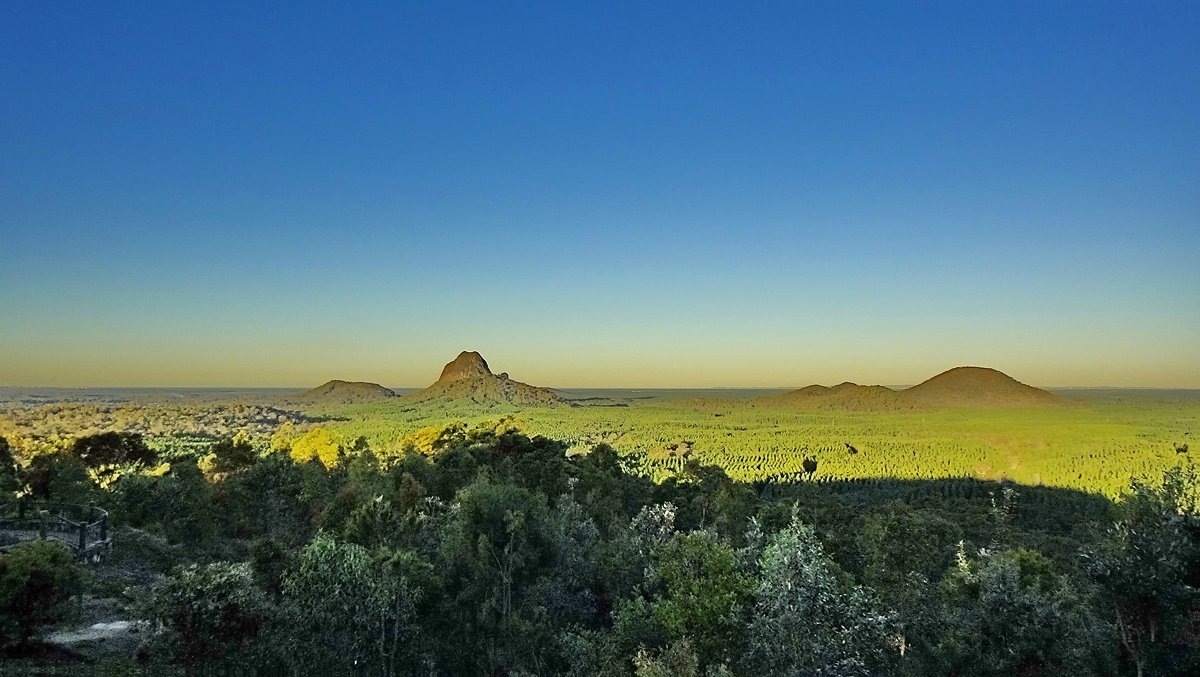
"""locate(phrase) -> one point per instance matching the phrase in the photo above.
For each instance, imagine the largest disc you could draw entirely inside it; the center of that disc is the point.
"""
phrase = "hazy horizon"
(551, 383)
(609, 196)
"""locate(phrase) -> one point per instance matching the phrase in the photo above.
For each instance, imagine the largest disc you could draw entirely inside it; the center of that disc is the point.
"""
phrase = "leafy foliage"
(320, 444)
(354, 607)
(1011, 613)
(1148, 564)
(547, 561)
(36, 579)
(61, 477)
(212, 615)
(234, 454)
(9, 481)
(701, 592)
(807, 619)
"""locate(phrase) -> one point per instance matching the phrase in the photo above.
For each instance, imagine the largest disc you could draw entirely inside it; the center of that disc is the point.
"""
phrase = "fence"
(83, 529)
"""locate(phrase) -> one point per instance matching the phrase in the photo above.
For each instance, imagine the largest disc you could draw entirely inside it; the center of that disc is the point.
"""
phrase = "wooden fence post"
(42, 515)
(104, 527)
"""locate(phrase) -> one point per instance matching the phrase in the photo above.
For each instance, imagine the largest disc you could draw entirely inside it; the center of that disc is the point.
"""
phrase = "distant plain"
(1096, 441)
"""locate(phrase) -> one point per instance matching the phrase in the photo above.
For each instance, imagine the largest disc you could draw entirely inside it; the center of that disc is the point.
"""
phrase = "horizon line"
(721, 387)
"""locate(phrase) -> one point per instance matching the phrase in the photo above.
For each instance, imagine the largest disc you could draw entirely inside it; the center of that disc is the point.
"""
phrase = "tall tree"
(1011, 613)
(700, 591)
(904, 553)
(806, 619)
(1149, 567)
(107, 452)
(354, 607)
(498, 544)
(8, 471)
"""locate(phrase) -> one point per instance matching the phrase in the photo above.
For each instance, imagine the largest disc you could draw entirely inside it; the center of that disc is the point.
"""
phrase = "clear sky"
(599, 194)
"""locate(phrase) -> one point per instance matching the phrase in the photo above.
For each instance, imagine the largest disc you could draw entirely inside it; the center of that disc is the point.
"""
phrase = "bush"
(210, 615)
(269, 560)
(36, 578)
(136, 550)
(1012, 613)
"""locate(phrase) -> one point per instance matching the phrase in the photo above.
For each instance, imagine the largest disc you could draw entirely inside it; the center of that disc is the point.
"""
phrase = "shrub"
(36, 578)
(211, 615)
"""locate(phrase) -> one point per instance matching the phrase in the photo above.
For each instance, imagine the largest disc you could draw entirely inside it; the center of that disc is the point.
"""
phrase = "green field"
(1097, 442)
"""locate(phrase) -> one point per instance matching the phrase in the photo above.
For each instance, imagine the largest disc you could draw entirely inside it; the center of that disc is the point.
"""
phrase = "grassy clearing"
(1095, 446)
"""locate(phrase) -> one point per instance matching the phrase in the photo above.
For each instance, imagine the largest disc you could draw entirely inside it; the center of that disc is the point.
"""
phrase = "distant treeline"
(51, 427)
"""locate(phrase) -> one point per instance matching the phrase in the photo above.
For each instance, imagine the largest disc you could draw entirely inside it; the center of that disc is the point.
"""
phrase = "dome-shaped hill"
(468, 377)
(346, 392)
(977, 386)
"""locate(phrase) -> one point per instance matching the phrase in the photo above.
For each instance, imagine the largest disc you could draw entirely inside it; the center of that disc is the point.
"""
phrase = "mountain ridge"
(958, 386)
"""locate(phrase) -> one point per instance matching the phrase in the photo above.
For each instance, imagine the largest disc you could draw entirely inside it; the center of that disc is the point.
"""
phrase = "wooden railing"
(83, 529)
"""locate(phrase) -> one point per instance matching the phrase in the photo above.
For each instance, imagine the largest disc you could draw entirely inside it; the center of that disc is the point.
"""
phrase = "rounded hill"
(977, 386)
(347, 392)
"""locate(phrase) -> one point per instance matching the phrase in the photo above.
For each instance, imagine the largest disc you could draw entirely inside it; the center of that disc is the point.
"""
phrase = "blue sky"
(607, 194)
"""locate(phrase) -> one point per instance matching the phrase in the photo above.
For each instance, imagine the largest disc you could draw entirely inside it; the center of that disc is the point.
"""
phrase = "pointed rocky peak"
(466, 365)
(468, 377)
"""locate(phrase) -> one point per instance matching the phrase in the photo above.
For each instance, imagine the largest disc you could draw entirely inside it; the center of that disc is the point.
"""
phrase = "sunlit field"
(1096, 442)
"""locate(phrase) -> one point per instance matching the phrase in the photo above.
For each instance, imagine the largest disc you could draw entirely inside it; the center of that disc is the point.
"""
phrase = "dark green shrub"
(36, 578)
(211, 615)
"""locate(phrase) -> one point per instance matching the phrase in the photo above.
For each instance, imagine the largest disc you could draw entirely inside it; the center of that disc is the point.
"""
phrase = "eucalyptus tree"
(807, 618)
(1148, 565)
(1012, 613)
(353, 608)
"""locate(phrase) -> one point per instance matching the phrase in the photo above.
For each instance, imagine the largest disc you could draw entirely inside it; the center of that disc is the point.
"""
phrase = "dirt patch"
(96, 632)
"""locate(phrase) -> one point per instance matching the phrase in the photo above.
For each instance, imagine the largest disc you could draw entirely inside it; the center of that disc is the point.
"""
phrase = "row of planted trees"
(498, 554)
